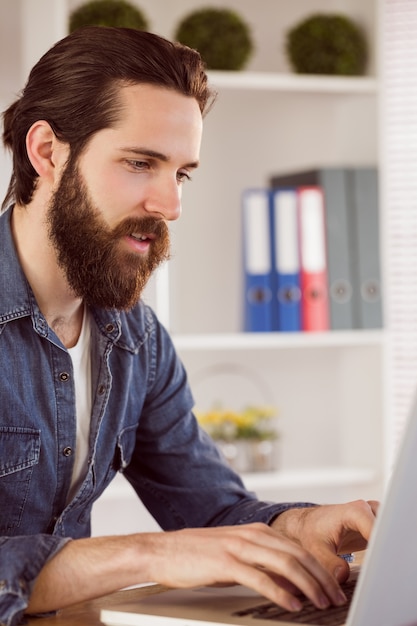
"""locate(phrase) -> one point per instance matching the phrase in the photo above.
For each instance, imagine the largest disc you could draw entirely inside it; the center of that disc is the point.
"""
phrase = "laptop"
(385, 593)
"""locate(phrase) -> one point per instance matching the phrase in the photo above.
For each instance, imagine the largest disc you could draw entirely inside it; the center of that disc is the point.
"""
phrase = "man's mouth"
(141, 242)
(143, 237)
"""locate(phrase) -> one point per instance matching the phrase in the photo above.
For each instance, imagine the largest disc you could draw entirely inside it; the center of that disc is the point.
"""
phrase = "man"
(103, 137)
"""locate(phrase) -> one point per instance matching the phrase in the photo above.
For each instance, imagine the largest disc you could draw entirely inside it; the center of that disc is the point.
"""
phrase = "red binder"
(313, 260)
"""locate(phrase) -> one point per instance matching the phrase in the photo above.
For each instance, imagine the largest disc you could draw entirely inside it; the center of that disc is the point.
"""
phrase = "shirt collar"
(17, 299)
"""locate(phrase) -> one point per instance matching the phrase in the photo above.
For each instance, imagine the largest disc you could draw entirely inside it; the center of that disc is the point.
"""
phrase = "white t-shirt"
(81, 361)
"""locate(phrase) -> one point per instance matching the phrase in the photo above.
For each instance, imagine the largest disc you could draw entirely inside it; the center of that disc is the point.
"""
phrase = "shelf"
(120, 489)
(269, 81)
(272, 341)
(320, 477)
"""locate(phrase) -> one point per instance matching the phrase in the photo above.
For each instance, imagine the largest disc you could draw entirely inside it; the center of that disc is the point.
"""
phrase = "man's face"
(108, 216)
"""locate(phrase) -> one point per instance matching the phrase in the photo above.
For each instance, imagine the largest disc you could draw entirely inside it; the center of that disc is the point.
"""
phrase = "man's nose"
(165, 200)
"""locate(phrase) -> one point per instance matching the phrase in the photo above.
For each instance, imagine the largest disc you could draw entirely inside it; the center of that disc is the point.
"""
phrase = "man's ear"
(46, 153)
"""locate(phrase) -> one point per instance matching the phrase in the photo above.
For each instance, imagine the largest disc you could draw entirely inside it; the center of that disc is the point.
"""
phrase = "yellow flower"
(253, 422)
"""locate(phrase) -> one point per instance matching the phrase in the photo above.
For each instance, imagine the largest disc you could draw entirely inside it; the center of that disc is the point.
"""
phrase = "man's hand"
(329, 530)
(253, 555)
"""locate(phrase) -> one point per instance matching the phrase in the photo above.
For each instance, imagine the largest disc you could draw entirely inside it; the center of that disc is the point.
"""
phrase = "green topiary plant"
(327, 44)
(107, 13)
(220, 35)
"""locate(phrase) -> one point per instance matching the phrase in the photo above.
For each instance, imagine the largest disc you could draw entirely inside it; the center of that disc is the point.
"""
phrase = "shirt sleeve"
(176, 469)
(21, 560)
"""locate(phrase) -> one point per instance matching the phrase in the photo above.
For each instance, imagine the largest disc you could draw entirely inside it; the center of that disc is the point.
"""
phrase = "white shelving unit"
(329, 387)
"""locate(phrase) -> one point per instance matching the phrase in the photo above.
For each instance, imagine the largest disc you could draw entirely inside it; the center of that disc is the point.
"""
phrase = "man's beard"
(97, 265)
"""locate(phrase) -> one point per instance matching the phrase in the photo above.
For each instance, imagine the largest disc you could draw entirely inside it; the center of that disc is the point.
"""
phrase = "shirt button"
(67, 451)
(109, 328)
(64, 376)
(101, 390)
(2, 585)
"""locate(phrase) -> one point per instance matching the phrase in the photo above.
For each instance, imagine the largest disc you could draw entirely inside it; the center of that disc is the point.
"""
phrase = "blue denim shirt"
(141, 425)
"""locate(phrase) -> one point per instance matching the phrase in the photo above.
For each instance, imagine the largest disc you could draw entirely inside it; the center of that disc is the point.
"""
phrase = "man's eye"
(138, 165)
(183, 177)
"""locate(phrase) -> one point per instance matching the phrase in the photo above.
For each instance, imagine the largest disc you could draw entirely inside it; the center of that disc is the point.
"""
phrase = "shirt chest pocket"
(19, 453)
(125, 446)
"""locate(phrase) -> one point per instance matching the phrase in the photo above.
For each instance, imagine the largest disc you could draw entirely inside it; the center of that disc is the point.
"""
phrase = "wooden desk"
(88, 613)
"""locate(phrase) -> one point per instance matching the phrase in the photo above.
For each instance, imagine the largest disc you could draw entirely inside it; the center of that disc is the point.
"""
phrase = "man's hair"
(75, 87)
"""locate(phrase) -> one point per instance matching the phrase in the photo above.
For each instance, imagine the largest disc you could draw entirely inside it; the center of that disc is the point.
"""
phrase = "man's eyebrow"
(154, 154)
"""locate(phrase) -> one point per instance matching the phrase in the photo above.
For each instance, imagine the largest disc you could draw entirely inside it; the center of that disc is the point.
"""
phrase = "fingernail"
(340, 598)
(324, 602)
(296, 605)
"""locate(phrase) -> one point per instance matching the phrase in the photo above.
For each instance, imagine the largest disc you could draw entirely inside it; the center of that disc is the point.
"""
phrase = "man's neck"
(62, 310)
(68, 330)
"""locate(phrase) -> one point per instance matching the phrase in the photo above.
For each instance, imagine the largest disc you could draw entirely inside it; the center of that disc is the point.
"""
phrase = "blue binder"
(257, 260)
(286, 260)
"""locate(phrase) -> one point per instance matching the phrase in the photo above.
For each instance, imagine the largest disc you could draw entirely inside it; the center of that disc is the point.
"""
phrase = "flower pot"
(251, 455)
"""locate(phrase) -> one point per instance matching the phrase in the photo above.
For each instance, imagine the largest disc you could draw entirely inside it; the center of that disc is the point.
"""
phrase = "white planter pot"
(251, 455)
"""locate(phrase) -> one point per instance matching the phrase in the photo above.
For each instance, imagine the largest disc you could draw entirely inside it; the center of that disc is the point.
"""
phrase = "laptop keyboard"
(309, 614)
